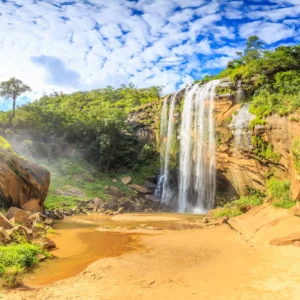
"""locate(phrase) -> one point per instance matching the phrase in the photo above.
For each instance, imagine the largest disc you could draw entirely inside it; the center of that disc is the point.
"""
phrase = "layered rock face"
(22, 183)
(237, 158)
(239, 163)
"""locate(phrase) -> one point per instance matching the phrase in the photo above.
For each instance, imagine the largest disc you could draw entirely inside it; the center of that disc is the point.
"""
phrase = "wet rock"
(4, 222)
(46, 243)
(287, 240)
(4, 236)
(139, 188)
(126, 180)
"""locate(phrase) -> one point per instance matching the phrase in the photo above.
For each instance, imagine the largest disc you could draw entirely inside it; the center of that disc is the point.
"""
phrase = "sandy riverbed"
(210, 264)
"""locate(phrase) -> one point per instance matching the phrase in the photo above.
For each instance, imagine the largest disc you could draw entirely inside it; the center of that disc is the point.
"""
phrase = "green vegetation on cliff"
(271, 78)
(296, 154)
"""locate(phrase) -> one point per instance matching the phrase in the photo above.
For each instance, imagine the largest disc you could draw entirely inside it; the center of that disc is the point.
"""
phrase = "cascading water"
(197, 172)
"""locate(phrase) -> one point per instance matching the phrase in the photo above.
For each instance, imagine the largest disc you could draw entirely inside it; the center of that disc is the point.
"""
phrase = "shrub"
(279, 192)
(296, 154)
(15, 259)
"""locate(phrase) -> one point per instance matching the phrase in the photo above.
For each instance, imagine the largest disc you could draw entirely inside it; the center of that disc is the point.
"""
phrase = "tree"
(13, 88)
(253, 49)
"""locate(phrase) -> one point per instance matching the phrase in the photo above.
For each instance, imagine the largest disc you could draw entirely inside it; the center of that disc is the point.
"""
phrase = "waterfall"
(197, 171)
(166, 191)
(240, 126)
(163, 136)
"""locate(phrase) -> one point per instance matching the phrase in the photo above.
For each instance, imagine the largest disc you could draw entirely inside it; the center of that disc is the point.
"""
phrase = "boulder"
(46, 243)
(139, 188)
(126, 180)
(21, 217)
(4, 236)
(20, 234)
(23, 184)
(12, 212)
(4, 222)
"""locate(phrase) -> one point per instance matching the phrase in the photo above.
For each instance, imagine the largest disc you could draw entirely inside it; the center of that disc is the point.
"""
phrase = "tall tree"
(13, 88)
(253, 49)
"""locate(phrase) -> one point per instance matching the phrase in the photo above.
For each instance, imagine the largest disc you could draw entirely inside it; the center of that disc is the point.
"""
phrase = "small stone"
(114, 180)
(139, 188)
(126, 180)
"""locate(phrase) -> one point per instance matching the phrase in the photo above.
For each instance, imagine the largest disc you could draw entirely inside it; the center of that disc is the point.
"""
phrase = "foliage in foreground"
(15, 260)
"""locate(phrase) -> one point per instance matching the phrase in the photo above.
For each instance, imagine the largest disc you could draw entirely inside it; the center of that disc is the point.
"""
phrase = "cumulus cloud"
(267, 31)
(56, 45)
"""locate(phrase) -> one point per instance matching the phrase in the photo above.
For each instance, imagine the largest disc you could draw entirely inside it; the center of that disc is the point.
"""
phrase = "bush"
(235, 208)
(15, 259)
(296, 154)
(279, 192)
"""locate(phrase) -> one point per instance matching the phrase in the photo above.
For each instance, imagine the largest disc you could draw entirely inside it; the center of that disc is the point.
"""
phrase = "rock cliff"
(23, 184)
(245, 157)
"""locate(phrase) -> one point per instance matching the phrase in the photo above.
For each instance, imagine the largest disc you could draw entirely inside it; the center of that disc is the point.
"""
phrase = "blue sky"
(58, 45)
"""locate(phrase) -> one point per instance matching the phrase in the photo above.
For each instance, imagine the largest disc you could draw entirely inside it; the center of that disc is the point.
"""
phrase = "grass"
(15, 260)
(279, 192)
(235, 208)
(83, 176)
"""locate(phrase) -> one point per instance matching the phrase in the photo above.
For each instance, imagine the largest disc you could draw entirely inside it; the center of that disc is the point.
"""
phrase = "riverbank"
(212, 263)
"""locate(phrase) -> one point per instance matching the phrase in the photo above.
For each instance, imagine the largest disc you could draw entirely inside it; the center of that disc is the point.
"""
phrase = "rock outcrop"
(23, 184)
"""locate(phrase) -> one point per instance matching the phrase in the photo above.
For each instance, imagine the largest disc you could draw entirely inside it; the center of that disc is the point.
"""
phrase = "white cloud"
(113, 42)
(267, 31)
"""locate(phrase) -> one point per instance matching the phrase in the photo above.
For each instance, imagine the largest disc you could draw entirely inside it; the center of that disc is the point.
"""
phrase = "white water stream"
(197, 172)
